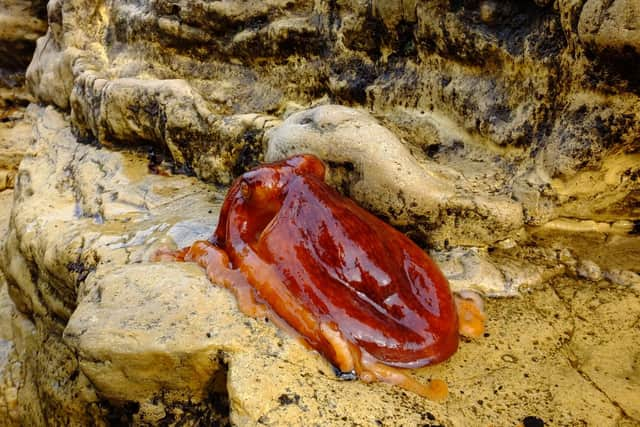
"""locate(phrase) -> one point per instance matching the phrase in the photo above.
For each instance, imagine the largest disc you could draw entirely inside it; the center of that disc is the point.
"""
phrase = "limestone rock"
(173, 348)
(49, 76)
(384, 175)
(609, 359)
(501, 135)
(21, 23)
(99, 335)
(504, 101)
(15, 136)
(611, 27)
(102, 205)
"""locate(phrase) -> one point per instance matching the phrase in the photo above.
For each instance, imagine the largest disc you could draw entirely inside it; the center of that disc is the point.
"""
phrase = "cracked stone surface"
(502, 136)
(134, 342)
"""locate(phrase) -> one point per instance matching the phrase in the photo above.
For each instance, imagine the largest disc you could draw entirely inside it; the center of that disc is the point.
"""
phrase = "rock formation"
(501, 136)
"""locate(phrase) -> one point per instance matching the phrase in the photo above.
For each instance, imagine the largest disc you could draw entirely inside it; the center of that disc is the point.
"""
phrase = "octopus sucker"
(352, 287)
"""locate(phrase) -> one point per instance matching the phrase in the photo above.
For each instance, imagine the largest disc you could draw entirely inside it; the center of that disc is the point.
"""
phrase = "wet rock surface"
(500, 136)
(523, 116)
(99, 335)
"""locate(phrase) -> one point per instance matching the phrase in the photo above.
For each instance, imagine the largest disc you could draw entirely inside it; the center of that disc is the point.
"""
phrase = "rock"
(6, 305)
(502, 136)
(15, 137)
(100, 335)
(21, 23)
(176, 345)
(539, 119)
(611, 27)
(383, 175)
(49, 76)
(589, 270)
(624, 278)
(50, 297)
(604, 243)
(470, 270)
(609, 358)
(499, 274)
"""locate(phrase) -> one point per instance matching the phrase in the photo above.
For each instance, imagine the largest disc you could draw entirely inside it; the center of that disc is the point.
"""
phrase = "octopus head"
(256, 197)
(268, 184)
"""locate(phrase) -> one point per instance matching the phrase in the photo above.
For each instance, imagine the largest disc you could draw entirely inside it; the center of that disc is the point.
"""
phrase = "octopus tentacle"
(435, 390)
(471, 316)
(351, 358)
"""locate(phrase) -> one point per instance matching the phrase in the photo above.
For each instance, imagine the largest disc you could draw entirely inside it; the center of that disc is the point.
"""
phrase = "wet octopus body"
(351, 286)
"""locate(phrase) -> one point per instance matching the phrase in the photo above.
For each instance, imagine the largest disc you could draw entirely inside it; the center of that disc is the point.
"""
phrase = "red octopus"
(351, 286)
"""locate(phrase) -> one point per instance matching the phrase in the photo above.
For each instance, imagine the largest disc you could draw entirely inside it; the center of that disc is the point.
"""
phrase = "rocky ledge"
(100, 335)
(500, 136)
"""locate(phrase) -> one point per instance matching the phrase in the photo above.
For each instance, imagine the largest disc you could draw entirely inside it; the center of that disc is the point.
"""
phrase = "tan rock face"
(378, 168)
(21, 23)
(611, 27)
(516, 107)
(99, 335)
(502, 136)
(103, 213)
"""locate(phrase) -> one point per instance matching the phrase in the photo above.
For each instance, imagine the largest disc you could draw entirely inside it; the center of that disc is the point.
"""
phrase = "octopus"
(350, 286)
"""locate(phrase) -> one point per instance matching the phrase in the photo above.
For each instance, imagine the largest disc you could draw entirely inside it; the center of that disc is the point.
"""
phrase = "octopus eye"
(245, 190)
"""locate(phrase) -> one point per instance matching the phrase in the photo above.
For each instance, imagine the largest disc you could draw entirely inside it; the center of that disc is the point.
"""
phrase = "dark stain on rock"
(120, 414)
(506, 29)
(211, 411)
(86, 138)
(341, 175)
(248, 153)
(81, 269)
(406, 43)
(289, 398)
(160, 162)
(432, 150)
(356, 74)
(532, 421)
(618, 69)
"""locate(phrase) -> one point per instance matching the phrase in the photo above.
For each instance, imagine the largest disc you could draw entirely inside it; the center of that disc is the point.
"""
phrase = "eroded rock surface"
(502, 136)
(22, 22)
(611, 27)
(513, 112)
(100, 335)
(379, 169)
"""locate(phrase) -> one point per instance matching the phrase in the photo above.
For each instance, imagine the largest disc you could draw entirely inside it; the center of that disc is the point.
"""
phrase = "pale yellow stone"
(501, 135)
(163, 338)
